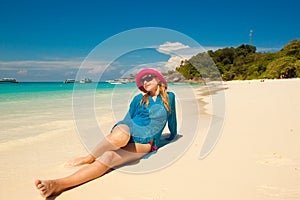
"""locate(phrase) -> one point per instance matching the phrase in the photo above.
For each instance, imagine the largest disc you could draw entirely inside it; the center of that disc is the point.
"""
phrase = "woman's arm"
(172, 120)
(133, 105)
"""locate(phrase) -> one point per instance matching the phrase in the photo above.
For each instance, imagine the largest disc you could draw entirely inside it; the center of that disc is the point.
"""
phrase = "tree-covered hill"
(243, 63)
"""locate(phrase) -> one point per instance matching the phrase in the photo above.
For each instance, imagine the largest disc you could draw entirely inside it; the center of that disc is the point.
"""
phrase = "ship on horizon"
(8, 80)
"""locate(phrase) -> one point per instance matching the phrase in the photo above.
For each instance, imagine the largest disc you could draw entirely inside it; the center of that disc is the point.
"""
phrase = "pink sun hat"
(147, 71)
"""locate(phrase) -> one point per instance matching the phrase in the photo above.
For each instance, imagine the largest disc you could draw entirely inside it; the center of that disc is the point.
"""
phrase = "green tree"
(245, 49)
(244, 62)
(205, 66)
(188, 71)
(283, 67)
(297, 66)
(291, 49)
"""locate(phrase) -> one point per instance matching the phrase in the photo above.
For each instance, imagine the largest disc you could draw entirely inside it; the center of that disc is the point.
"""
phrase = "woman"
(130, 139)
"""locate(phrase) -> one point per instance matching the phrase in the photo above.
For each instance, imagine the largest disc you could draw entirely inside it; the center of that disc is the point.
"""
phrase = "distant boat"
(86, 80)
(120, 81)
(8, 80)
(69, 81)
(114, 82)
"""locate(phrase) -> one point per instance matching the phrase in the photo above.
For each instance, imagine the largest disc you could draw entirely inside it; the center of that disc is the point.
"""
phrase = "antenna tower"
(251, 32)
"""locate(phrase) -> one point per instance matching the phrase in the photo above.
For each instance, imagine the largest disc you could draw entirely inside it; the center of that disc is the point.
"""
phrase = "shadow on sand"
(163, 142)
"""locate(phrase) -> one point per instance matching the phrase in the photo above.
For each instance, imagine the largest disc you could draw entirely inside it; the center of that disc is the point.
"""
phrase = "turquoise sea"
(33, 109)
(30, 88)
(29, 109)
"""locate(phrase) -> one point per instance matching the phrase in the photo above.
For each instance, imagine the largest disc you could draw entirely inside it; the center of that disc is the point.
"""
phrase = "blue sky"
(47, 40)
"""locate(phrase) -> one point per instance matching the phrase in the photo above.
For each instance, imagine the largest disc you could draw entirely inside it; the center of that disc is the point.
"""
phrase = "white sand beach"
(256, 158)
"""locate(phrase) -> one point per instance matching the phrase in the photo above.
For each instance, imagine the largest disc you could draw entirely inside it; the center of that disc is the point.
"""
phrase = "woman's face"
(150, 82)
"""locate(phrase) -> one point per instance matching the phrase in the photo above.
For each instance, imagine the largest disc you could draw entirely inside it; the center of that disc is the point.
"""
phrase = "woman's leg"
(87, 173)
(118, 138)
(109, 159)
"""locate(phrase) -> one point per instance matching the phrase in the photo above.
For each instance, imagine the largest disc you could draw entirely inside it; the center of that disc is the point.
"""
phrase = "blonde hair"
(164, 96)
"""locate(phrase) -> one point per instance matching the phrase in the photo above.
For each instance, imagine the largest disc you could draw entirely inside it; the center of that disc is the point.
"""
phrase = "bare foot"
(47, 188)
(80, 161)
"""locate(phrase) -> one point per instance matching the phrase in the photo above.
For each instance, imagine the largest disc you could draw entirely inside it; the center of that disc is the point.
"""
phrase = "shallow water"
(33, 109)
(29, 109)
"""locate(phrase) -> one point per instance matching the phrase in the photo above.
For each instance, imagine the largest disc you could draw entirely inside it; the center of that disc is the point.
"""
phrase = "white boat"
(114, 82)
(69, 81)
(86, 80)
(8, 80)
(118, 81)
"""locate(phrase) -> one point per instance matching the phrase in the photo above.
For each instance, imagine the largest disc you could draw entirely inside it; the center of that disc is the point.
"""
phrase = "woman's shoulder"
(138, 97)
(171, 96)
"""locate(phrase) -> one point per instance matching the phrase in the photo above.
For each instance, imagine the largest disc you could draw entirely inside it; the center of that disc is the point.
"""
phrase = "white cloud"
(168, 47)
(68, 67)
(266, 49)
(173, 62)
(70, 73)
(38, 64)
(122, 71)
(95, 70)
(40, 70)
(177, 52)
(22, 72)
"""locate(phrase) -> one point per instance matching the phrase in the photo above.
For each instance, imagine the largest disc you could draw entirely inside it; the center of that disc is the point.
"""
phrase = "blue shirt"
(148, 122)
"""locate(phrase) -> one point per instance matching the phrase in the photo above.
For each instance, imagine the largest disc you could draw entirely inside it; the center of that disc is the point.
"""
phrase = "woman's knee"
(109, 158)
(119, 137)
